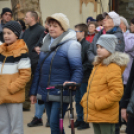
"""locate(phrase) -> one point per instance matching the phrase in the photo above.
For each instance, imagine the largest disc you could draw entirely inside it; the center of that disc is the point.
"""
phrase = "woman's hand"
(33, 99)
(66, 82)
(124, 114)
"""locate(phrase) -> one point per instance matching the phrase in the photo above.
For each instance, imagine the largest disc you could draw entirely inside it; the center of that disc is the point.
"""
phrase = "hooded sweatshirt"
(105, 89)
(15, 72)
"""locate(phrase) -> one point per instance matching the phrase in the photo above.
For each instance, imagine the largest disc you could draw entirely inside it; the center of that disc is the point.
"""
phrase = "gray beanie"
(108, 41)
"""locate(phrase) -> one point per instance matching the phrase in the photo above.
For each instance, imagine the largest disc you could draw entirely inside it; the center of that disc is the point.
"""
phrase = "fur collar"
(121, 59)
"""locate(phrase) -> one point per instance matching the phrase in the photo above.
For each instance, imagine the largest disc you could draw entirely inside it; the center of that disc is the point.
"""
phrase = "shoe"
(25, 110)
(76, 124)
(35, 122)
(83, 125)
(47, 124)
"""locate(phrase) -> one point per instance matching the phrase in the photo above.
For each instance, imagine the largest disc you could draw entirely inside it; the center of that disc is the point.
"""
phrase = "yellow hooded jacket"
(15, 72)
(105, 89)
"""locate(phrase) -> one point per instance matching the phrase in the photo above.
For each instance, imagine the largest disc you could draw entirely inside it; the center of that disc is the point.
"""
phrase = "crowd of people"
(99, 54)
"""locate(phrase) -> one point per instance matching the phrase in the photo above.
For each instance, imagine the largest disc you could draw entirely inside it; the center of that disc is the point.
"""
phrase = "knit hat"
(61, 18)
(124, 21)
(108, 41)
(6, 9)
(114, 16)
(13, 26)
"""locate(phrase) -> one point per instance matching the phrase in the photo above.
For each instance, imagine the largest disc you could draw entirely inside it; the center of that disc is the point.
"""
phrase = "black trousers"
(130, 125)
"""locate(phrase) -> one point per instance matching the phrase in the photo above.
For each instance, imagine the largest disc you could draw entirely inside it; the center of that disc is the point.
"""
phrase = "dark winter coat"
(87, 66)
(119, 47)
(31, 36)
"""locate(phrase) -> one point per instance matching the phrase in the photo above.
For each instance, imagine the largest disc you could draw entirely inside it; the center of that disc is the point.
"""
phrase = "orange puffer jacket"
(105, 89)
(15, 72)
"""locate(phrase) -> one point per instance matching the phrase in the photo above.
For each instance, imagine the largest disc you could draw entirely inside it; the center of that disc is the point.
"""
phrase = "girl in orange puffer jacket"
(105, 86)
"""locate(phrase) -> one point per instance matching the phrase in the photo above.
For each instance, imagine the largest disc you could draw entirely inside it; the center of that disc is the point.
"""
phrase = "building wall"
(69, 7)
(72, 9)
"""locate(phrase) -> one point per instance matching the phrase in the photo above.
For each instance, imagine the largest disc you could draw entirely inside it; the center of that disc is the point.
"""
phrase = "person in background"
(111, 25)
(15, 72)
(99, 20)
(39, 106)
(6, 16)
(81, 33)
(132, 25)
(91, 31)
(31, 36)
(98, 29)
(22, 23)
(105, 87)
(129, 79)
(89, 19)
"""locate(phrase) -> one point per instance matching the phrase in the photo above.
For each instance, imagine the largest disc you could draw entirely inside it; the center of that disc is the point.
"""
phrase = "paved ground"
(43, 130)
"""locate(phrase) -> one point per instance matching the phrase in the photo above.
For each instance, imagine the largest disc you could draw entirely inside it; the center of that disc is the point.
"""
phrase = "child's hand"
(124, 114)
(33, 99)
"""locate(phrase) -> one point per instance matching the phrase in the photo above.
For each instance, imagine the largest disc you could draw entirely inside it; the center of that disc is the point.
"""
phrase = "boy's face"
(102, 52)
(91, 28)
(9, 36)
(79, 34)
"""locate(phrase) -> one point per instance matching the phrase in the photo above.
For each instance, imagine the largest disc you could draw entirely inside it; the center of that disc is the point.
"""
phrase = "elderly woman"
(111, 26)
(129, 47)
(60, 66)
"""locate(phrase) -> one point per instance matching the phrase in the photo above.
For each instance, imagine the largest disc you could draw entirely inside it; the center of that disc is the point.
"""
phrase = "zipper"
(3, 64)
(51, 67)
(89, 89)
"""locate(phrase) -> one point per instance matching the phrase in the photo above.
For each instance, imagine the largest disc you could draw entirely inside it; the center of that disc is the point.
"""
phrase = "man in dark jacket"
(31, 36)
(111, 26)
(6, 16)
(81, 32)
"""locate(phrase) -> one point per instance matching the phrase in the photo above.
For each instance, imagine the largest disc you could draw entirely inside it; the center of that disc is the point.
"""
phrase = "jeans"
(53, 111)
(79, 94)
(39, 110)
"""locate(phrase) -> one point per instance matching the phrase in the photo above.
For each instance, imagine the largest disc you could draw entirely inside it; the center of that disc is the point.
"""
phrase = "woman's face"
(54, 29)
(91, 28)
(132, 27)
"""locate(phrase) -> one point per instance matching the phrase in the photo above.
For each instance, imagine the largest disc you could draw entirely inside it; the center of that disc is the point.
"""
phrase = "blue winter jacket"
(66, 65)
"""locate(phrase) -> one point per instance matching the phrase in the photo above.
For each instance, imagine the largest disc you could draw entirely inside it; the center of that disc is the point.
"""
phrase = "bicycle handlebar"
(66, 86)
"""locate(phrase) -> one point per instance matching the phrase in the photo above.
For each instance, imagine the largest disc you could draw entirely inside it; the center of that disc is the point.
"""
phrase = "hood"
(70, 36)
(66, 36)
(17, 48)
(119, 58)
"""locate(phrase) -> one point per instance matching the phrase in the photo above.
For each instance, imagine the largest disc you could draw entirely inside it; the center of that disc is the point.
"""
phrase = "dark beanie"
(6, 9)
(14, 26)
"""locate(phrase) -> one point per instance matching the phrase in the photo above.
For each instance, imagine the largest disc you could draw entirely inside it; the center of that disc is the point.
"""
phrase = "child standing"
(81, 32)
(15, 72)
(105, 86)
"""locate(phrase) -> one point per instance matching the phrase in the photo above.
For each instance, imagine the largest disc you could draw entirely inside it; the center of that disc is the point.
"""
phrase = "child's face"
(91, 28)
(79, 34)
(9, 36)
(102, 52)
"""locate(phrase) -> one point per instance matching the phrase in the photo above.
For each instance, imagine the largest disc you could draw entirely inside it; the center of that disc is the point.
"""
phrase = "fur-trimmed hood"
(121, 59)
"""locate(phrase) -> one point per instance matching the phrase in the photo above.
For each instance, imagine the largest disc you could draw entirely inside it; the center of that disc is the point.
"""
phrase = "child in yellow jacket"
(105, 86)
(15, 72)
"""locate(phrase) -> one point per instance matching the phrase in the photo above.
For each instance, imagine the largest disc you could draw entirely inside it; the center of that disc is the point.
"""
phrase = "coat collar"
(16, 48)
(119, 58)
